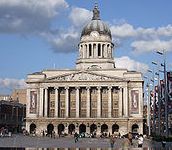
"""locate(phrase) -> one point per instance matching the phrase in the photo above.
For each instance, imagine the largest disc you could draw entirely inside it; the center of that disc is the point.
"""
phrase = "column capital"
(99, 87)
(66, 88)
(88, 87)
(77, 88)
(109, 87)
(56, 87)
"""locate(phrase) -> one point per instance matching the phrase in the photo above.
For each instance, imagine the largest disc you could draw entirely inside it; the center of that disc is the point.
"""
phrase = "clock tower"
(95, 47)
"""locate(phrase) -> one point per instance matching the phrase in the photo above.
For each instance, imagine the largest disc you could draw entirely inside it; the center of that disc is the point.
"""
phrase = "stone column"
(125, 105)
(56, 102)
(99, 102)
(46, 102)
(41, 102)
(88, 102)
(77, 102)
(28, 102)
(120, 102)
(67, 102)
(109, 102)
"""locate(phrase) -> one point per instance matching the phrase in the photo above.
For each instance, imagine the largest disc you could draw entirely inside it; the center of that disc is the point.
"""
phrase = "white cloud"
(146, 46)
(126, 30)
(130, 64)
(63, 41)
(123, 31)
(12, 83)
(80, 16)
(18, 16)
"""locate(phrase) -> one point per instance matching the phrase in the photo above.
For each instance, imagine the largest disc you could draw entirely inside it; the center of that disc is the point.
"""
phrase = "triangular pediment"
(84, 76)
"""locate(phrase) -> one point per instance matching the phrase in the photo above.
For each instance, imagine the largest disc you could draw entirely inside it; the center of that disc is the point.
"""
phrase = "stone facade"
(95, 97)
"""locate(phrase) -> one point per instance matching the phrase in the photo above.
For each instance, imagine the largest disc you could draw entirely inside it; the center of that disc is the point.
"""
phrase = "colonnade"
(42, 107)
(95, 50)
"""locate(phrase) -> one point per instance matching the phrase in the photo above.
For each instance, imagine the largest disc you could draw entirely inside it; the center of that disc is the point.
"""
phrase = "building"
(12, 115)
(19, 95)
(5, 97)
(95, 97)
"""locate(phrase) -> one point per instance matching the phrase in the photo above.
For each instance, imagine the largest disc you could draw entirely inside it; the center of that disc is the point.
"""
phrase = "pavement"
(21, 141)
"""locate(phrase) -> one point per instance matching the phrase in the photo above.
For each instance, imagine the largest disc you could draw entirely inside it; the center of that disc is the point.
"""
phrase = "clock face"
(94, 34)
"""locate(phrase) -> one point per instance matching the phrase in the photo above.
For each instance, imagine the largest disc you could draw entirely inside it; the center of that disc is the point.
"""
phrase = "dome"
(96, 25)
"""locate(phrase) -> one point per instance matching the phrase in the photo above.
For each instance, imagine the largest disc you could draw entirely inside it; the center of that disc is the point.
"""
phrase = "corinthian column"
(67, 102)
(46, 103)
(120, 103)
(41, 102)
(99, 102)
(88, 102)
(109, 102)
(77, 102)
(125, 95)
(56, 101)
(28, 102)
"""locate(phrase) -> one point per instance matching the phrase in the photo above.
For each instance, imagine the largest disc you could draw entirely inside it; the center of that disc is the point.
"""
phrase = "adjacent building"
(95, 97)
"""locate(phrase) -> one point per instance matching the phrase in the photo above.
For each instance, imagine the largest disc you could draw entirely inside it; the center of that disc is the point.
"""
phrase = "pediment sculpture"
(83, 76)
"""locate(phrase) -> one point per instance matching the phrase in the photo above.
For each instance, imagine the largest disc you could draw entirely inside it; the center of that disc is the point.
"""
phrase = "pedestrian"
(112, 141)
(43, 133)
(126, 143)
(76, 136)
(163, 142)
(140, 140)
(130, 138)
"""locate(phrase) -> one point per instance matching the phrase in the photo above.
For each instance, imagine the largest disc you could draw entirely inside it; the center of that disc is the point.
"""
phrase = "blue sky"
(37, 35)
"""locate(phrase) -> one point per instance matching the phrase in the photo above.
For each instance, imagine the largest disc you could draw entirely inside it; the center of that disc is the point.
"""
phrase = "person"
(140, 140)
(163, 142)
(126, 143)
(112, 141)
(130, 138)
(76, 136)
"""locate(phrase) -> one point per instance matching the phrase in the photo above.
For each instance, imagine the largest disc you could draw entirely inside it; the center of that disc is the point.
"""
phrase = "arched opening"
(71, 129)
(135, 128)
(104, 130)
(103, 49)
(61, 128)
(32, 128)
(90, 50)
(50, 128)
(99, 50)
(115, 128)
(82, 128)
(93, 128)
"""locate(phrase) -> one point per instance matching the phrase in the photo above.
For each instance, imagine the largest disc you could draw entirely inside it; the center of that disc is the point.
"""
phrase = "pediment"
(84, 76)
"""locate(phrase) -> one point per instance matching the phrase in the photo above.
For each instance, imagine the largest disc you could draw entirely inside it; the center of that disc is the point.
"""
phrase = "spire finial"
(96, 12)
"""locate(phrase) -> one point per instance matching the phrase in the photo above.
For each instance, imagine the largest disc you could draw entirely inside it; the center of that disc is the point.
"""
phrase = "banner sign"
(33, 102)
(134, 102)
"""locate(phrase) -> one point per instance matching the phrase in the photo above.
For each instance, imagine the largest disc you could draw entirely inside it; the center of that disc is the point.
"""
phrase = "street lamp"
(148, 105)
(154, 99)
(165, 91)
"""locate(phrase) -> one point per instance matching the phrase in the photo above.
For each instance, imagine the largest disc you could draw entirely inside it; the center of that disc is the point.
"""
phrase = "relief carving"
(82, 77)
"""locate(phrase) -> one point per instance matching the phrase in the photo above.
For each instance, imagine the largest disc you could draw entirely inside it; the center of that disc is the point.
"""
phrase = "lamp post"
(148, 106)
(154, 100)
(159, 106)
(151, 98)
(165, 91)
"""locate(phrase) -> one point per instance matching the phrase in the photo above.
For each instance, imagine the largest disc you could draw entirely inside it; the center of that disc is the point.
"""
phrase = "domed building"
(95, 97)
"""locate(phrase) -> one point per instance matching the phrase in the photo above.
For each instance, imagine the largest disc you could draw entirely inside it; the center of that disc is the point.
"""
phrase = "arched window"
(103, 49)
(99, 50)
(90, 50)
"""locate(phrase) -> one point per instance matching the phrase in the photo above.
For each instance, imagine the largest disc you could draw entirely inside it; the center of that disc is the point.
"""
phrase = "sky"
(37, 35)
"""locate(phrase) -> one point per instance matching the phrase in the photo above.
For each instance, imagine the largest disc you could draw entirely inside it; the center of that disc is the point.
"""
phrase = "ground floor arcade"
(87, 126)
